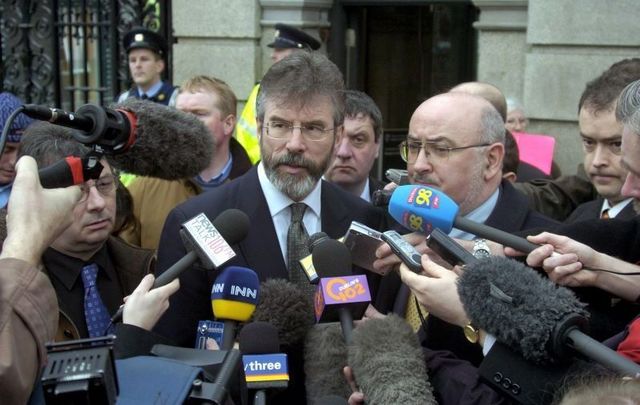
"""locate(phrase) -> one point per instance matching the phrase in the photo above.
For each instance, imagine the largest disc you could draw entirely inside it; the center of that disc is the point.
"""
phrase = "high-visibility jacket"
(246, 128)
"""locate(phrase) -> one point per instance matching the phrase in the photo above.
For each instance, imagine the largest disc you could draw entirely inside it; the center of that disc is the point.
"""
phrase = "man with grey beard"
(300, 113)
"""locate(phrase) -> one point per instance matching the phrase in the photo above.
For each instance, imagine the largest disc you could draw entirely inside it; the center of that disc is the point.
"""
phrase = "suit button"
(497, 377)
(515, 389)
(68, 334)
(506, 383)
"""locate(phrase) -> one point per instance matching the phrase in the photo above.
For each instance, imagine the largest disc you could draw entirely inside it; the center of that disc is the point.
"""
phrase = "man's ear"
(510, 177)
(494, 159)
(229, 124)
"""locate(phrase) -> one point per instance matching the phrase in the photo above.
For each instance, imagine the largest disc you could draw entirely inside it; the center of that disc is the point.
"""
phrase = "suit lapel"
(260, 248)
(335, 217)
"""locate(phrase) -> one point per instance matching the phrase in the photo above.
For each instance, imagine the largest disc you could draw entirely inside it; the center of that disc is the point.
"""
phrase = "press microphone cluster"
(141, 137)
(531, 315)
(421, 209)
(206, 242)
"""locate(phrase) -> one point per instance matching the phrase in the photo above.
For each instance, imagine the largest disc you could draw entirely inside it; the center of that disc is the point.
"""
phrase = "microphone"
(421, 209)
(234, 296)
(388, 363)
(325, 356)
(285, 306)
(340, 295)
(142, 138)
(531, 315)
(207, 242)
(264, 367)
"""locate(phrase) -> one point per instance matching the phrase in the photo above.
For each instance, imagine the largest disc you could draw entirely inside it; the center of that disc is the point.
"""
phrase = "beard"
(296, 187)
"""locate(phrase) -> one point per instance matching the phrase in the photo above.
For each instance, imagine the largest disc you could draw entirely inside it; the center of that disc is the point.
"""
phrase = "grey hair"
(628, 107)
(491, 126)
(514, 104)
(300, 77)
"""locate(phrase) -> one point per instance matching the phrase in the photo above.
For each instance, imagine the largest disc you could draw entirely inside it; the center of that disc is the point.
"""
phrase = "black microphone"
(388, 364)
(207, 242)
(265, 369)
(340, 295)
(530, 314)
(143, 138)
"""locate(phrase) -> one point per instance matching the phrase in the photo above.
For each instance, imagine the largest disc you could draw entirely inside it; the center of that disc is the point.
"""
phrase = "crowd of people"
(297, 162)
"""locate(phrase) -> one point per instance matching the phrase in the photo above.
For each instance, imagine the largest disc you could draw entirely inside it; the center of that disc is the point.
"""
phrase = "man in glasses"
(456, 144)
(90, 270)
(300, 112)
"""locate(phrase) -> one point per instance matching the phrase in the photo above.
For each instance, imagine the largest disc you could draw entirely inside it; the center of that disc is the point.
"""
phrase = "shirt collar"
(615, 209)
(67, 269)
(278, 201)
(365, 195)
(153, 90)
(479, 215)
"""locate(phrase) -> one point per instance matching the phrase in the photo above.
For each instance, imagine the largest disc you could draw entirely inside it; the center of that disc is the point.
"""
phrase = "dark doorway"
(401, 53)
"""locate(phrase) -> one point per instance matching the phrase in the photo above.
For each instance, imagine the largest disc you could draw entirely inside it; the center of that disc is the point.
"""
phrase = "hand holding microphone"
(206, 242)
(145, 305)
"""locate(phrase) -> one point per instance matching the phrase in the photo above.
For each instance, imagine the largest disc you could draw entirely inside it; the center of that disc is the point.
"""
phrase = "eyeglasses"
(105, 185)
(410, 150)
(284, 130)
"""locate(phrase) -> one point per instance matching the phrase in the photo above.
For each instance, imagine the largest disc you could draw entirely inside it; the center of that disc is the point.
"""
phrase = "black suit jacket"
(591, 210)
(511, 214)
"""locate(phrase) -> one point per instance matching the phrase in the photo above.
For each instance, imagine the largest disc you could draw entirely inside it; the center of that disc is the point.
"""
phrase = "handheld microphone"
(421, 209)
(234, 296)
(388, 364)
(142, 138)
(264, 367)
(207, 242)
(530, 314)
(340, 295)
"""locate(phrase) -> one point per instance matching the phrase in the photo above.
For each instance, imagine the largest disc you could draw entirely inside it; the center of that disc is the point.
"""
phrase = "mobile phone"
(398, 176)
(362, 242)
(448, 249)
(404, 250)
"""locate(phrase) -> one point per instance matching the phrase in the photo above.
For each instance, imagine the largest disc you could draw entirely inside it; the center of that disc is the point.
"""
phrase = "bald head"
(488, 92)
(464, 138)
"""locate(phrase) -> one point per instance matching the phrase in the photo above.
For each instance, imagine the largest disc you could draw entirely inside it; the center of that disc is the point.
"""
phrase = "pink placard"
(536, 149)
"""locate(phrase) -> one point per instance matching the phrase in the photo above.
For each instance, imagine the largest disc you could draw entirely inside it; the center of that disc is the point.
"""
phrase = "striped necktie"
(297, 238)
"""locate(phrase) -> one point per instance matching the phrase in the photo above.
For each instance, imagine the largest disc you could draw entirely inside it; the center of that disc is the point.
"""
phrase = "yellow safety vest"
(246, 129)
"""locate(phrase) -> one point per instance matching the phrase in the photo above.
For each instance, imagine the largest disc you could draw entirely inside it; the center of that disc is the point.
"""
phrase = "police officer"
(286, 41)
(146, 51)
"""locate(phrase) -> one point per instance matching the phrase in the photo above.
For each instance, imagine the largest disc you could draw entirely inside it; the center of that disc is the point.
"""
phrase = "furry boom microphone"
(531, 315)
(141, 137)
(388, 364)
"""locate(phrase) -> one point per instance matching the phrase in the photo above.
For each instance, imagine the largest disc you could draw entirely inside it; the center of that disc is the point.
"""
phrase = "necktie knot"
(297, 211)
(605, 214)
(89, 275)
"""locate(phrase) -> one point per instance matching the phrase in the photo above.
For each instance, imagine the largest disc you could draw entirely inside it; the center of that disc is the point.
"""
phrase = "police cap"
(289, 37)
(143, 38)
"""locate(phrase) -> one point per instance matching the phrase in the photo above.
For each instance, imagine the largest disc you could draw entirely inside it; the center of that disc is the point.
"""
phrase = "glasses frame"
(86, 188)
(303, 131)
(404, 149)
